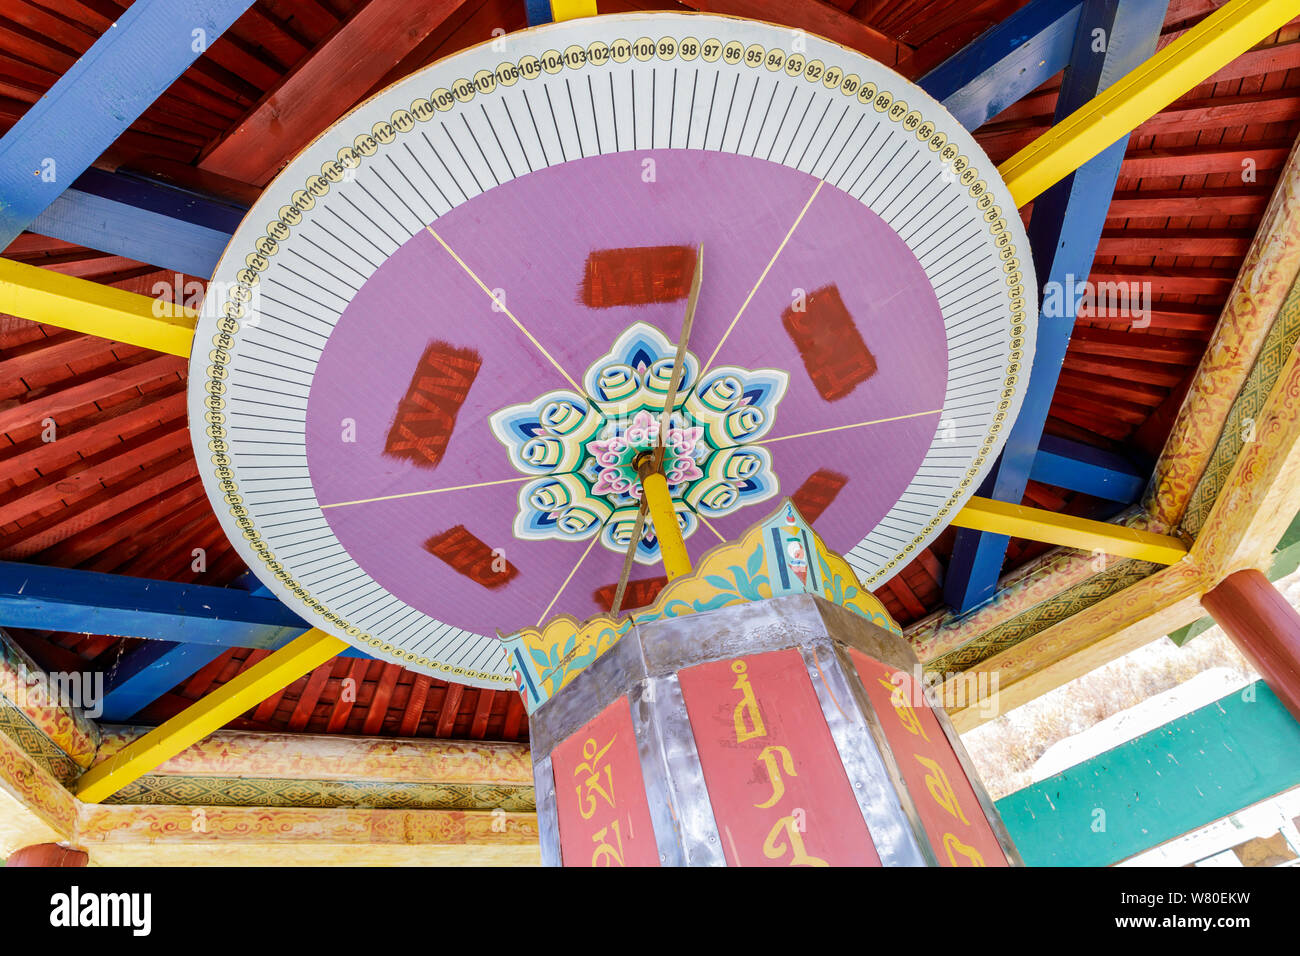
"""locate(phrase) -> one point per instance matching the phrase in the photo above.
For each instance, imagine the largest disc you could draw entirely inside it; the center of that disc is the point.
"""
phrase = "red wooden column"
(1265, 628)
(47, 854)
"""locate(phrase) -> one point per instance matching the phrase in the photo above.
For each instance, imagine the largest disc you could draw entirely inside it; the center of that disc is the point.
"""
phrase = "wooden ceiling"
(119, 490)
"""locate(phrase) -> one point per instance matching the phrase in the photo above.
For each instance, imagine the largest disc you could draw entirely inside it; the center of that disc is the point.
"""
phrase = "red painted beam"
(324, 87)
(822, 19)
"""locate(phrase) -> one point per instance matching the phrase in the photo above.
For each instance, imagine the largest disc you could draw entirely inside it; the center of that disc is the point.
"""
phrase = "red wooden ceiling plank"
(278, 40)
(1091, 421)
(1136, 345)
(514, 716)
(119, 557)
(449, 710)
(265, 711)
(50, 402)
(1150, 373)
(306, 705)
(173, 558)
(1156, 242)
(415, 705)
(142, 489)
(1126, 412)
(48, 656)
(1247, 199)
(905, 597)
(310, 18)
(378, 710)
(97, 431)
(344, 703)
(1184, 280)
(323, 87)
(84, 476)
(468, 24)
(482, 712)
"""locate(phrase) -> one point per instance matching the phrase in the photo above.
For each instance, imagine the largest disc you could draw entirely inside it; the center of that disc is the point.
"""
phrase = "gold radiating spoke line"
(840, 428)
(470, 272)
(768, 268)
(594, 538)
(709, 526)
(431, 491)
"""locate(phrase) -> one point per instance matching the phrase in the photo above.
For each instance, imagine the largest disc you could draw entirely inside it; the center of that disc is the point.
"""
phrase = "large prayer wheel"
(787, 730)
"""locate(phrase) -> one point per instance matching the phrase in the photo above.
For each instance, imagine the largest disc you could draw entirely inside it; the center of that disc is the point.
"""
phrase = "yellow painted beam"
(52, 298)
(273, 673)
(1201, 51)
(659, 504)
(1017, 521)
(572, 9)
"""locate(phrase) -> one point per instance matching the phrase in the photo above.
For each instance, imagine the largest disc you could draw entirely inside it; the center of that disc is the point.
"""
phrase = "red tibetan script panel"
(426, 415)
(952, 817)
(637, 276)
(780, 795)
(834, 354)
(600, 794)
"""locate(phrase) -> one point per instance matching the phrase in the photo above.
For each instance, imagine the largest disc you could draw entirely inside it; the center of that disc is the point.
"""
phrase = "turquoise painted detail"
(1177, 778)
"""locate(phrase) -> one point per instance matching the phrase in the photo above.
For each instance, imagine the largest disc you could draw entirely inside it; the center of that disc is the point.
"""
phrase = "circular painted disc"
(435, 345)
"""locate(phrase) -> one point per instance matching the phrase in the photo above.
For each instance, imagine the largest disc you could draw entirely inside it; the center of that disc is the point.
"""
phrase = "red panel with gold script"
(952, 817)
(600, 794)
(780, 795)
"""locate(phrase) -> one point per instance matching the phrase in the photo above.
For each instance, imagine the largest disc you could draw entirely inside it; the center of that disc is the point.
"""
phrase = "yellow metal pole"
(572, 9)
(301, 655)
(1135, 98)
(659, 504)
(1017, 521)
(52, 298)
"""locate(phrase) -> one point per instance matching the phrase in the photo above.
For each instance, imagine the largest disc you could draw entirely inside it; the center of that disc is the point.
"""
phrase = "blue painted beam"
(88, 602)
(133, 216)
(1093, 471)
(1180, 777)
(1063, 235)
(91, 105)
(1006, 61)
(151, 669)
(538, 12)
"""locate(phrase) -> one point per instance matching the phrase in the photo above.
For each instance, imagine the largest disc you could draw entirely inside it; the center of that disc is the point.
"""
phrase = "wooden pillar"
(1265, 628)
(47, 854)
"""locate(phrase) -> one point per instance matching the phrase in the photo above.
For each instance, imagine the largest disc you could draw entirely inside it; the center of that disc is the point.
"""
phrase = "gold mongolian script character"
(747, 708)
(936, 781)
